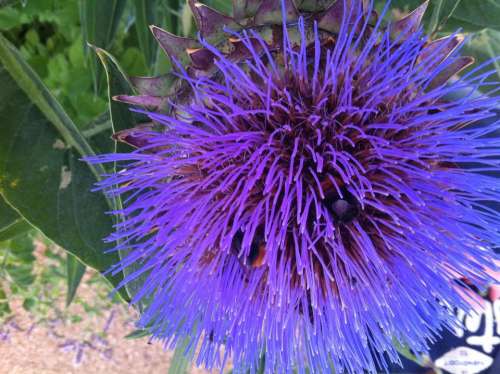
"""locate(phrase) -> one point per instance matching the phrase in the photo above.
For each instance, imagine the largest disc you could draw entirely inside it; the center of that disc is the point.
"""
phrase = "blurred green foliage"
(33, 273)
(48, 34)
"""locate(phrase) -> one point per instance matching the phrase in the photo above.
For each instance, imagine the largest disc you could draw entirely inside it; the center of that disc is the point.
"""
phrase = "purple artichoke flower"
(310, 190)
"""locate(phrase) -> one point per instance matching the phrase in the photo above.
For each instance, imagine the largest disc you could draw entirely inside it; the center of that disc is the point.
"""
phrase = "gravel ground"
(61, 348)
(94, 345)
(56, 347)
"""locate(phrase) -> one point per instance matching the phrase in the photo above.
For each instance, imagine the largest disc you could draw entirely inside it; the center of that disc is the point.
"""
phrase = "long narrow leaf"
(180, 361)
(121, 118)
(100, 20)
(74, 274)
(146, 13)
(41, 175)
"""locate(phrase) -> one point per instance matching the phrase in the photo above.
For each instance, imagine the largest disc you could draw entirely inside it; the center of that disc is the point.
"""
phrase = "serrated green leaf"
(100, 20)
(40, 171)
(74, 274)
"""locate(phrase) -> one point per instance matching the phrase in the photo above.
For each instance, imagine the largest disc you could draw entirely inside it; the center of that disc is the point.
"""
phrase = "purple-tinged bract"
(311, 194)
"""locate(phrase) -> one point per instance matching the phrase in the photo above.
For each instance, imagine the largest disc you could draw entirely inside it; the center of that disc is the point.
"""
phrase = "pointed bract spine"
(201, 58)
(174, 46)
(445, 46)
(210, 22)
(450, 70)
(152, 102)
(135, 137)
(163, 85)
(411, 23)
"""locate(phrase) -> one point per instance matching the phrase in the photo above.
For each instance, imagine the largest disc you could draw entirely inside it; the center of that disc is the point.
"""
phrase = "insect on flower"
(257, 251)
(305, 175)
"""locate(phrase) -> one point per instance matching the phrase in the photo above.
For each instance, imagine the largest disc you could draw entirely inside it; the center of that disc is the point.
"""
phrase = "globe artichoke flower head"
(301, 191)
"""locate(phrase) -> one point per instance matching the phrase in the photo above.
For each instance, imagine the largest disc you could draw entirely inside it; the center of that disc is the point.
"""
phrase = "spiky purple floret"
(260, 149)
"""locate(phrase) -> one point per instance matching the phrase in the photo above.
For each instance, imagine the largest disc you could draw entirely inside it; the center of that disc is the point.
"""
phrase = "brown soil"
(54, 342)
(57, 347)
(96, 344)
